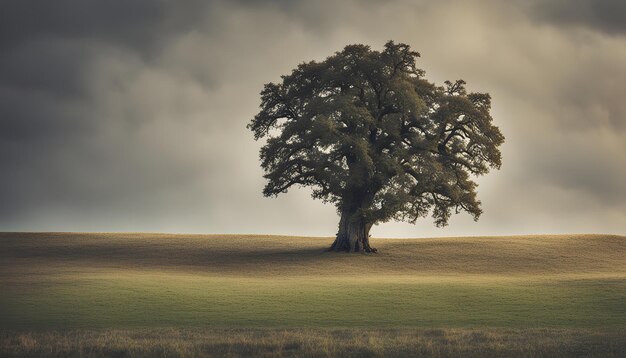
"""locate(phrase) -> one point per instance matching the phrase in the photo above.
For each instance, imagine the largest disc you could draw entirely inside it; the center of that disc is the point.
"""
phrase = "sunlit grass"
(137, 299)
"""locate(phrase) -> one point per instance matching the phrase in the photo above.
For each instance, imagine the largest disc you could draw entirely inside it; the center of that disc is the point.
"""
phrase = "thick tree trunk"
(353, 234)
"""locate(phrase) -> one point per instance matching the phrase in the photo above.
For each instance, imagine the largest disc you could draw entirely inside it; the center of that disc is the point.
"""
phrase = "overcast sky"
(120, 115)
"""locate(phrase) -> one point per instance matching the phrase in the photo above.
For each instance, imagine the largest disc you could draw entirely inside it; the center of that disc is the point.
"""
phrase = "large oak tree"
(369, 134)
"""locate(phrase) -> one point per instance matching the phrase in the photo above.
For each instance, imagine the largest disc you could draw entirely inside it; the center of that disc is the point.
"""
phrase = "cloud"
(601, 15)
(139, 24)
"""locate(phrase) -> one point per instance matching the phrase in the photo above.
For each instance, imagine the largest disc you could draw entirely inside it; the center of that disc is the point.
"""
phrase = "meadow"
(156, 294)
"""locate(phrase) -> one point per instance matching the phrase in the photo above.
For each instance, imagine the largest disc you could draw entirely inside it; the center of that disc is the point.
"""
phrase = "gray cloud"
(602, 15)
(131, 116)
(139, 24)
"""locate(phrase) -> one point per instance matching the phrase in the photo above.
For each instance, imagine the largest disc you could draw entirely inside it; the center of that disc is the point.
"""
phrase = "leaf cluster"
(365, 129)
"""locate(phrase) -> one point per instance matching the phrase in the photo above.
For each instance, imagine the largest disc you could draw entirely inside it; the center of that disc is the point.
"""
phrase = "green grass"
(125, 300)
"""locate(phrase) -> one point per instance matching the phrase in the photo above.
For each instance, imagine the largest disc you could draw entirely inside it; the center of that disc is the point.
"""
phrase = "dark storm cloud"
(602, 15)
(140, 23)
(51, 120)
(47, 48)
(46, 44)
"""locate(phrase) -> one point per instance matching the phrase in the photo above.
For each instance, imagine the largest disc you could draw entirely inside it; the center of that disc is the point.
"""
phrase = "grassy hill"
(150, 281)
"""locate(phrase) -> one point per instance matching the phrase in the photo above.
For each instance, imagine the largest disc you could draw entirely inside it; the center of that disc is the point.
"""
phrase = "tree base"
(370, 250)
(343, 245)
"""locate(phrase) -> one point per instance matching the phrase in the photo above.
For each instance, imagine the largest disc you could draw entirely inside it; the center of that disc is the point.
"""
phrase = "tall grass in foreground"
(315, 343)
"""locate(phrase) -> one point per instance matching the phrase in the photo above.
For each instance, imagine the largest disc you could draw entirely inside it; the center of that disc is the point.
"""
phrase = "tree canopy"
(367, 132)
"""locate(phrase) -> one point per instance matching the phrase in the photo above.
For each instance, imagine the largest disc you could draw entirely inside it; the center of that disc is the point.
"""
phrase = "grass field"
(501, 288)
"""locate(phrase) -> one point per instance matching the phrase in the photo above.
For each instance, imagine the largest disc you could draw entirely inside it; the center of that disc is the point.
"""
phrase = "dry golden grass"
(315, 343)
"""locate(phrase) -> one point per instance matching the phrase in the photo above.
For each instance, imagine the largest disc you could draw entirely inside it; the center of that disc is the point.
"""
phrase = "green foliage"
(365, 130)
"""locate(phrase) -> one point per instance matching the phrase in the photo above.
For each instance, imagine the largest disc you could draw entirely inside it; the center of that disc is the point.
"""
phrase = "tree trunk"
(353, 234)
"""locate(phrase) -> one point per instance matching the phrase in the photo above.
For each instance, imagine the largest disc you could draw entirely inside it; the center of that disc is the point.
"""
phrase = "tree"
(369, 134)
